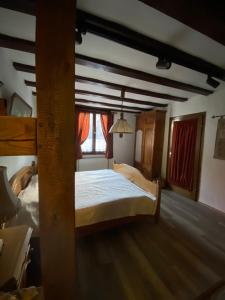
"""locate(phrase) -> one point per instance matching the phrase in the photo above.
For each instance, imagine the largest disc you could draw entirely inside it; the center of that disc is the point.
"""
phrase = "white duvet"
(100, 196)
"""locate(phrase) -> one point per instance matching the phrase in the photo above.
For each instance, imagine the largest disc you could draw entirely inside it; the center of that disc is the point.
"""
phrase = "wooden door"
(147, 154)
(184, 154)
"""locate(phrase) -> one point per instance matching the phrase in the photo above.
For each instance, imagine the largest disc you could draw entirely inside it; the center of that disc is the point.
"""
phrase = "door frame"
(198, 154)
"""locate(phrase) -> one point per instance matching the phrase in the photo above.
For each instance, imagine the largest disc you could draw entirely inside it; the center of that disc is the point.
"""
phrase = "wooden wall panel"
(55, 41)
(17, 136)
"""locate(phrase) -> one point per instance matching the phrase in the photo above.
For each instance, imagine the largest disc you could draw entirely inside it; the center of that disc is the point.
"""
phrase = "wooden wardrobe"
(149, 143)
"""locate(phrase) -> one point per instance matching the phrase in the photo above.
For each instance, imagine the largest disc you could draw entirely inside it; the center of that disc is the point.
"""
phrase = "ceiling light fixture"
(163, 63)
(80, 30)
(121, 126)
(212, 82)
(78, 37)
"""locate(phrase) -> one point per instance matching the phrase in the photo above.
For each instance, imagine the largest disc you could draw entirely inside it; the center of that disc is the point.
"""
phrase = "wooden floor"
(179, 258)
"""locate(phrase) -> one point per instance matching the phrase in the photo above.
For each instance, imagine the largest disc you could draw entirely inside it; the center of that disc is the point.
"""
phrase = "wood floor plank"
(179, 258)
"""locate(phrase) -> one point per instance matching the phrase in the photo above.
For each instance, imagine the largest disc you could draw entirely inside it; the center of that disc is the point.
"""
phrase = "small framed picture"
(19, 107)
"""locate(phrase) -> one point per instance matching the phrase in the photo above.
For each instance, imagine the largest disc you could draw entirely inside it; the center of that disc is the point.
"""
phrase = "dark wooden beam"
(16, 44)
(105, 109)
(124, 71)
(125, 36)
(24, 6)
(110, 104)
(136, 74)
(206, 17)
(152, 94)
(128, 100)
(24, 68)
(117, 98)
(55, 71)
(30, 83)
(115, 86)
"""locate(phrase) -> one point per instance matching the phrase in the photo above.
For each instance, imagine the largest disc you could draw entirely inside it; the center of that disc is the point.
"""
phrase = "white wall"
(212, 183)
(90, 163)
(13, 83)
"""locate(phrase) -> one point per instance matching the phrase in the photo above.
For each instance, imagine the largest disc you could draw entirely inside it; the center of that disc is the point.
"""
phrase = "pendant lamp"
(121, 126)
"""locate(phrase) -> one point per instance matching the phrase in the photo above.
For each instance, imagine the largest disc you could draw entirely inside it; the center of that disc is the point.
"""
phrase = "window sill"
(93, 155)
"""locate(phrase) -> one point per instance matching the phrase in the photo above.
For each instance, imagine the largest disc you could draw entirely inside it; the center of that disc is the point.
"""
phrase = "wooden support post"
(55, 38)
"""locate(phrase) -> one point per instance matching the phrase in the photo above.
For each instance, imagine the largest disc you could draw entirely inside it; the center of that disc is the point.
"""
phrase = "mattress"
(100, 195)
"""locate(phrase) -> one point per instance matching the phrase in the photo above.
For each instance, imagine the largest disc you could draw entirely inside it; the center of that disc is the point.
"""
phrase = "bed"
(104, 198)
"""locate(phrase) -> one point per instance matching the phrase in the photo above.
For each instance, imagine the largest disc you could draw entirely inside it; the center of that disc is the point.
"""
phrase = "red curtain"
(181, 172)
(107, 121)
(82, 131)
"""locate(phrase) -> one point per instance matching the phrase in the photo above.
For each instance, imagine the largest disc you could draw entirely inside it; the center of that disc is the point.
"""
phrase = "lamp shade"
(121, 126)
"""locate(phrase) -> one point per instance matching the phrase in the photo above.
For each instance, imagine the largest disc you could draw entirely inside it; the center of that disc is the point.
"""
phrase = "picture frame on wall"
(19, 107)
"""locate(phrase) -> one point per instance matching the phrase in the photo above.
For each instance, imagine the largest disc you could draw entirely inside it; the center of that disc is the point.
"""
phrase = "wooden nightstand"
(14, 257)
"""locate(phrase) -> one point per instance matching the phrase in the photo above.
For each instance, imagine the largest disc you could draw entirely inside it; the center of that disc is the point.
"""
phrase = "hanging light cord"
(122, 98)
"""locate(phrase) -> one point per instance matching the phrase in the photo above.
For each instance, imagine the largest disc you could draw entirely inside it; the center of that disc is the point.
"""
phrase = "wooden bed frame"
(21, 179)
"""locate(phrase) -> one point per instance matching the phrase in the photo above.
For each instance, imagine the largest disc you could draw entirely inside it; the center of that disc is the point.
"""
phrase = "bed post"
(158, 195)
(55, 69)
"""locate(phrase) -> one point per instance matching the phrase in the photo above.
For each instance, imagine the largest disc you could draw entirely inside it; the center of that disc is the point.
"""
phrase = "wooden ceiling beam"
(139, 75)
(105, 109)
(152, 94)
(30, 83)
(149, 93)
(24, 6)
(124, 71)
(112, 97)
(115, 98)
(206, 17)
(113, 86)
(110, 104)
(128, 37)
(24, 68)
(137, 109)
(16, 44)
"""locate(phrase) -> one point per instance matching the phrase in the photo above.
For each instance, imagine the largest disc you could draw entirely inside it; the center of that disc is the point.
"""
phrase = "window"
(95, 142)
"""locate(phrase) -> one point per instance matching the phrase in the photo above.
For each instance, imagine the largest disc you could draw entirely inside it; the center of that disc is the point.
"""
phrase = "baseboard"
(213, 208)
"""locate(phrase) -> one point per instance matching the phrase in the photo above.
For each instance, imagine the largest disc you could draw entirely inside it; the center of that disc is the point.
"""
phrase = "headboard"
(20, 179)
(9, 203)
(10, 189)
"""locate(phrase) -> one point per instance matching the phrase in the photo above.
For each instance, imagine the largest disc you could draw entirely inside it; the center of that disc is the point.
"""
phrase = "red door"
(184, 156)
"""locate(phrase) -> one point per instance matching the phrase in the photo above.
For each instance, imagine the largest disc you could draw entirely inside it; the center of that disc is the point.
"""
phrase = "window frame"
(93, 152)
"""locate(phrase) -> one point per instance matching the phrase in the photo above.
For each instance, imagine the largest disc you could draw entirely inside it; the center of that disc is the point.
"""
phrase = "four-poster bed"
(51, 138)
(20, 138)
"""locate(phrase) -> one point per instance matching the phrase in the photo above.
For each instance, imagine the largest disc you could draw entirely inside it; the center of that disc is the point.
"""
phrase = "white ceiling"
(139, 17)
